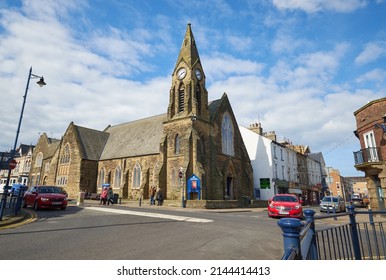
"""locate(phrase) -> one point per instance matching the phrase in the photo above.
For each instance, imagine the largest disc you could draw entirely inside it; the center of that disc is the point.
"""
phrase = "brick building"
(194, 150)
(371, 159)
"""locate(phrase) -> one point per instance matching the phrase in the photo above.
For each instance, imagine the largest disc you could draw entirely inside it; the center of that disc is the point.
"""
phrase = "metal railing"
(12, 201)
(368, 155)
(351, 241)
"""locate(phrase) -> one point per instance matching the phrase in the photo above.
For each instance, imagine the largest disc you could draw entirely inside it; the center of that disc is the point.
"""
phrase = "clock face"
(198, 74)
(181, 73)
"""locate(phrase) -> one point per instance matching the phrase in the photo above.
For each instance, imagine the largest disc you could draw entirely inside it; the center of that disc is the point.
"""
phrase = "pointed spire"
(188, 52)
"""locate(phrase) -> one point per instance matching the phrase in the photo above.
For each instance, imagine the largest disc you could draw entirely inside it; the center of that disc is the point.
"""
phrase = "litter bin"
(115, 198)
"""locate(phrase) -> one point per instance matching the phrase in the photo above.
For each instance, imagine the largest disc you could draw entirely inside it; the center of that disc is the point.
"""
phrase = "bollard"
(140, 201)
(310, 218)
(80, 199)
(291, 228)
(371, 218)
(354, 232)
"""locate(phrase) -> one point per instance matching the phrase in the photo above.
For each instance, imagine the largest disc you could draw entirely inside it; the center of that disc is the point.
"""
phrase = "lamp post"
(181, 175)
(13, 151)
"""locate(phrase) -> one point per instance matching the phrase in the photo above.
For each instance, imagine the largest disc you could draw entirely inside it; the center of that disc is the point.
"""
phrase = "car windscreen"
(285, 198)
(328, 199)
(49, 190)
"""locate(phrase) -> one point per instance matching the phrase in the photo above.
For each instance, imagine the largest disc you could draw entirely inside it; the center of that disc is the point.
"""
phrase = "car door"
(30, 195)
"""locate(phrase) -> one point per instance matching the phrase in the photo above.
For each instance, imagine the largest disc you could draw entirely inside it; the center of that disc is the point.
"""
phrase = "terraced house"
(194, 150)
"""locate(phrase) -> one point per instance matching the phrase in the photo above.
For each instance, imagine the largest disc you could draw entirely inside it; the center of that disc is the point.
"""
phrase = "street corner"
(23, 217)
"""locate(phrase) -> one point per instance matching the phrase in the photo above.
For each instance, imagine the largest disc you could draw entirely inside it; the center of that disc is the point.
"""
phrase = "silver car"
(330, 202)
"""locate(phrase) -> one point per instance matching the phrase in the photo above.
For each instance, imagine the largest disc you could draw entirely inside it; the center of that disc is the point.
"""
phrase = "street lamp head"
(41, 82)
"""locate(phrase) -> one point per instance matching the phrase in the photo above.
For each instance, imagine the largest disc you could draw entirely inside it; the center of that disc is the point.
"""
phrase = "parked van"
(16, 188)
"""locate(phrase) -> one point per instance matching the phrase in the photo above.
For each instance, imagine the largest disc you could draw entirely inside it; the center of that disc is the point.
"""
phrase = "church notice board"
(194, 187)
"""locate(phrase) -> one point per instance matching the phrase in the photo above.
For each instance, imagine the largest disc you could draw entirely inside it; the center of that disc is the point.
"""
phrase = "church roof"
(214, 105)
(51, 148)
(91, 142)
(136, 138)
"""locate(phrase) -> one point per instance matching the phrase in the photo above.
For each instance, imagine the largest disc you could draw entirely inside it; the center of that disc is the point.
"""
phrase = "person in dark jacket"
(110, 196)
(152, 195)
(159, 197)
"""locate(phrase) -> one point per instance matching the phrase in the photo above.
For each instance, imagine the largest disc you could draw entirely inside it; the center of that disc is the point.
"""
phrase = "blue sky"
(301, 68)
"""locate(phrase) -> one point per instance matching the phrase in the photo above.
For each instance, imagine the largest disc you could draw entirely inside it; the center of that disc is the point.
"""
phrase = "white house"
(261, 155)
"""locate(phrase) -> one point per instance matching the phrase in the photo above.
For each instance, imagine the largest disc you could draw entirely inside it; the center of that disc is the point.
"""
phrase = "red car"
(285, 205)
(45, 197)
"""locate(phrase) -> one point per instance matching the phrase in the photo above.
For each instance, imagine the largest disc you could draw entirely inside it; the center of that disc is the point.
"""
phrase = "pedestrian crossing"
(149, 214)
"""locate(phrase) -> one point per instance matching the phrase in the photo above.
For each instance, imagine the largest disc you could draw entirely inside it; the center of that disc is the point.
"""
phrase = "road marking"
(31, 218)
(152, 215)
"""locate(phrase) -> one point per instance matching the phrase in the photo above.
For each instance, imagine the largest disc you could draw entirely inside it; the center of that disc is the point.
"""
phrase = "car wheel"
(24, 205)
(36, 207)
(63, 208)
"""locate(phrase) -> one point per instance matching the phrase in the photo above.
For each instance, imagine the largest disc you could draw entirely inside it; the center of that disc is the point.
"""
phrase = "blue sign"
(194, 187)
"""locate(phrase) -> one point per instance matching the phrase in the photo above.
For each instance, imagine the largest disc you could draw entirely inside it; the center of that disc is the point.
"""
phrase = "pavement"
(10, 219)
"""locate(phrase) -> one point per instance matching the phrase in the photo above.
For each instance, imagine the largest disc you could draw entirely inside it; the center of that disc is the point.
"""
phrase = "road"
(143, 233)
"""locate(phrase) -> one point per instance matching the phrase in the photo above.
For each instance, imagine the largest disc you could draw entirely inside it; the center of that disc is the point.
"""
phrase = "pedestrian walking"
(104, 195)
(152, 195)
(159, 197)
(110, 196)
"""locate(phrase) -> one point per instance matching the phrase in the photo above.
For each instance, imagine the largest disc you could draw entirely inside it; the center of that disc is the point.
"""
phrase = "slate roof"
(92, 142)
(214, 105)
(140, 137)
(317, 157)
(53, 145)
(136, 138)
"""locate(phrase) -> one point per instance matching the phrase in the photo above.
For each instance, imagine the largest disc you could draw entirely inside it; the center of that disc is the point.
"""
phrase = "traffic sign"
(12, 164)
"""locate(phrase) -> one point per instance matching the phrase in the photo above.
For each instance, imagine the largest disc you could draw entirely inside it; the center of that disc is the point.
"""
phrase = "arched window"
(177, 145)
(39, 160)
(64, 166)
(227, 135)
(181, 98)
(137, 176)
(101, 177)
(65, 156)
(118, 177)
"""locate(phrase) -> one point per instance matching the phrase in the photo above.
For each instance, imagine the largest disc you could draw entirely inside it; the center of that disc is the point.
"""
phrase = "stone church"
(195, 151)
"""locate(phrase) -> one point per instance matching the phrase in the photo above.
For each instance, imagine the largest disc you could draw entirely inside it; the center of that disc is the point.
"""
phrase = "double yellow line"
(31, 217)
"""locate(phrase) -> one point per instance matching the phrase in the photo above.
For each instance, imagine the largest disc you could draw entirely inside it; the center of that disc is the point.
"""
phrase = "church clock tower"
(188, 95)
(187, 125)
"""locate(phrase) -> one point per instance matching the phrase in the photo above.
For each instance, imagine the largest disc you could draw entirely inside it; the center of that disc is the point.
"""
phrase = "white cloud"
(372, 52)
(220, 65)
(308, 69)
(313, 6)
(375, 75)
(240, 44)
(286, 43)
